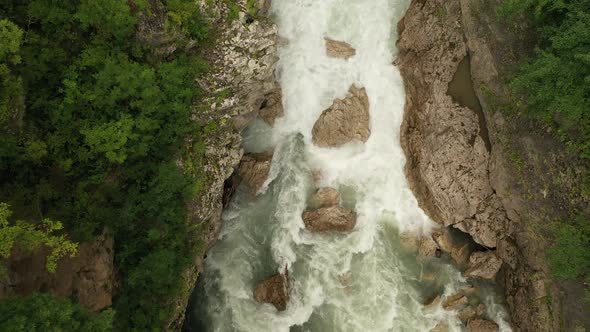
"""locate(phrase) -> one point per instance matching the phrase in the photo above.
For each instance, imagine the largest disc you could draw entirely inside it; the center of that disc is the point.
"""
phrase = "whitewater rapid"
(263, 234)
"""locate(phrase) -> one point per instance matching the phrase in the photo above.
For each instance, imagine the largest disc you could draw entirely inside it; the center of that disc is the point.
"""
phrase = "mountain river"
(364, 280)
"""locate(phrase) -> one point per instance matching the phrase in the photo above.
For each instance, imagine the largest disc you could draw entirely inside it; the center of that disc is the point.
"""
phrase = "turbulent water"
(359, 281)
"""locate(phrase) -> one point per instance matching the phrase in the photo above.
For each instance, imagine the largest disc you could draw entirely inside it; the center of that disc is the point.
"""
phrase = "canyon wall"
(240, 84)
(476, 166)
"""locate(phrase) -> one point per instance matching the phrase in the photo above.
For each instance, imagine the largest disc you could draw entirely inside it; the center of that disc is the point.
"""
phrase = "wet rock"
(481, 325)
(326, 196)
(271, 107)
(332, 218)
(339, 49)
(460, 255)
(274, 290)
(428, 277)
(470, 312)
(441, 327)
(443, 240)
(346, 120)
(454, 301)
(484, 265)
(254, 169)
(433, 303)
(427, 247)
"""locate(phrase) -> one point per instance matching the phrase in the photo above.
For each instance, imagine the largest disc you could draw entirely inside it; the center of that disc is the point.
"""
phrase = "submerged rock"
(326, 196)
(484, 265)
(274, 290)
(346, 120)
(469, 313)
(481, 325)
(332, 218)
(454, 301)
(254, 170)
(441, 327)
(339, 49)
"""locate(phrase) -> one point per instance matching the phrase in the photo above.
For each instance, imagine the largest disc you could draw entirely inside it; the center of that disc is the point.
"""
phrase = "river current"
(359, 281)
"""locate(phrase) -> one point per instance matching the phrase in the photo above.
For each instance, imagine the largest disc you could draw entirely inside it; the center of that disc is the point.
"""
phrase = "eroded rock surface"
(326, 219)
(483, 265)
(254, 169)
(346, 120)
(274, 290)
(339, 49)
(454, 302)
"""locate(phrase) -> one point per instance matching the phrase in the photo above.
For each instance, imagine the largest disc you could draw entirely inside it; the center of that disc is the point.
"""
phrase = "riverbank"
(488, 172)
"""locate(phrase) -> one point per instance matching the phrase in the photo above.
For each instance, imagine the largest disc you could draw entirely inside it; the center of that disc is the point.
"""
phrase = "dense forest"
(553, 87)
(93, 117)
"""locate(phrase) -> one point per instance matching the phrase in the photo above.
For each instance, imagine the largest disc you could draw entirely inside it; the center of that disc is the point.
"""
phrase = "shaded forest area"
(94, 113)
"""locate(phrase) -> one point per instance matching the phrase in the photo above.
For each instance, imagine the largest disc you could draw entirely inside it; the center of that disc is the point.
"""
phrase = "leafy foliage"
(44, 313)
(555, 87)
(570, 257)
(28, 237)
(556, 82)
(107, 114)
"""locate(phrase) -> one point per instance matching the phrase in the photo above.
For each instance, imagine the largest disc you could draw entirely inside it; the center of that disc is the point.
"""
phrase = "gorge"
(379, 275)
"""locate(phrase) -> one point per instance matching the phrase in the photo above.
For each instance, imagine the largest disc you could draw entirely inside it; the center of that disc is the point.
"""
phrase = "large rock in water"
(346, 120)
(254, 170)
(484, 265)
(271, 107)
(339, 49)
(325, 197)
(333, 218)
(274, 290)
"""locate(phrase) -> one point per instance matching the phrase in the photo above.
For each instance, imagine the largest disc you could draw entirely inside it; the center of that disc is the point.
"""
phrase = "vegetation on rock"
(554, 87)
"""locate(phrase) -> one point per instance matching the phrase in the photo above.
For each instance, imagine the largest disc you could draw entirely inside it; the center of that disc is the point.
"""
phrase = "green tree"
(45, 313)
(29, 237)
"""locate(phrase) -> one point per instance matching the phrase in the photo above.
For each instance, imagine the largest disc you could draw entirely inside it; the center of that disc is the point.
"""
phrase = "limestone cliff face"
(461, 154)
(240, 83)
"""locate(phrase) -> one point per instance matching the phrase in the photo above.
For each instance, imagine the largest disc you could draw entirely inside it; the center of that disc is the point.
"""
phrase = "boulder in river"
(326, 196)
(254, 169)
(339, 49)
(454, 301)
(484, 265)
(346, 120)
(481, 325)
(271, 107)
(332, 218)
(274, 290)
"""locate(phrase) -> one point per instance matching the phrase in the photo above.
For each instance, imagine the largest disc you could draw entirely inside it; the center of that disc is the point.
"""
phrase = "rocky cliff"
(240, 84)
(475, 166)
(88, 278)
